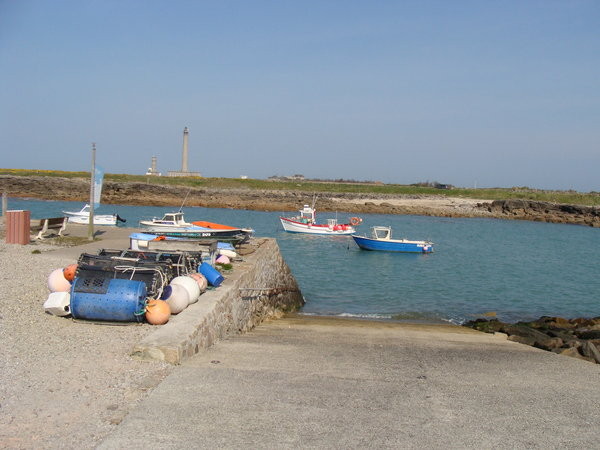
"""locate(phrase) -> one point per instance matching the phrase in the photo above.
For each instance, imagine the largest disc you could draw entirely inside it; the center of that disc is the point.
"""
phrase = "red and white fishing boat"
(306, 223)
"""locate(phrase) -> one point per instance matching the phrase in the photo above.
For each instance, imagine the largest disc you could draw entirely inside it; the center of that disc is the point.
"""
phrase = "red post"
(17, 227)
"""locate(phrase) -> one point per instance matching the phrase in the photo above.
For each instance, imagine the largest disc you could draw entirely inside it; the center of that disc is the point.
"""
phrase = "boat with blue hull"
(381, 240)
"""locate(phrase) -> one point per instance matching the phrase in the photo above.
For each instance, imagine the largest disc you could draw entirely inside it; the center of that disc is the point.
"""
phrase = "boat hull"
(293, 226)
(98, 220)
(403, 246)
(83, 217)
(232, 236)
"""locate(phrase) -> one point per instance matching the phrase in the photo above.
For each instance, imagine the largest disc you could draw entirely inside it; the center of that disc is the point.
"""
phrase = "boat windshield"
(382, 232)
(173, 218)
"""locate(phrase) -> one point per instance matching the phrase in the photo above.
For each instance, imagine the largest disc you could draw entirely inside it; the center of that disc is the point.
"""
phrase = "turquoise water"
(519, 270)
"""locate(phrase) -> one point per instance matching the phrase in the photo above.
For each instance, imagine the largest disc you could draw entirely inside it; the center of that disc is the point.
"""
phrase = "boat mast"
(186, 196)
(92, 182)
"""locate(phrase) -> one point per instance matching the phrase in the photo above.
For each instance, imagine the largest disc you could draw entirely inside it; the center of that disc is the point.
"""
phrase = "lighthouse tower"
(184, 157)
(185, 172)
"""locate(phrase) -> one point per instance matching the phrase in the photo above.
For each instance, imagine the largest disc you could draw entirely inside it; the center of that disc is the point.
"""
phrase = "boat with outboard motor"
(381, 239)
(176, 222)
(306, 223)
(83, 217)
(234, 236)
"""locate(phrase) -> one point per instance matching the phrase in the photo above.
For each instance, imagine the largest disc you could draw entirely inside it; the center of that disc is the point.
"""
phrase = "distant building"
(296, 177)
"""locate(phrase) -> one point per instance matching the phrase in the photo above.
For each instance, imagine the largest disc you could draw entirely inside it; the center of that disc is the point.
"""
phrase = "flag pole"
(92, 182)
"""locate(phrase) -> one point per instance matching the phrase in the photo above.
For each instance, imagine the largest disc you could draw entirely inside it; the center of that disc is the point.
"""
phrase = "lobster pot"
(110, 265)
(108, 299)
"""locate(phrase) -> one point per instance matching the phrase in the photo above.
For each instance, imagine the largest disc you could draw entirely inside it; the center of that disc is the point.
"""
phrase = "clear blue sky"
(485, 93)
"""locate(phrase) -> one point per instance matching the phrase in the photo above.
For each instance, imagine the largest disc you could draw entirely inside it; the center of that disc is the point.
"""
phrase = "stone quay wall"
(259, 287)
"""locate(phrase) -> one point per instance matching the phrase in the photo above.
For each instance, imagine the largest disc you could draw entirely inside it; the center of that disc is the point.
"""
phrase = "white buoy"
(57, 281)
(178, 299)
(190, 285)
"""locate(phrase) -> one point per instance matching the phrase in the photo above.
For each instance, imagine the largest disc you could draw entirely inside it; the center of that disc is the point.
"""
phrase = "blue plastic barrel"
(108, 299)
(213, 276)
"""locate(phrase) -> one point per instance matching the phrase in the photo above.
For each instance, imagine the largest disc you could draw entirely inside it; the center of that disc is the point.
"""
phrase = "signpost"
(92, 183)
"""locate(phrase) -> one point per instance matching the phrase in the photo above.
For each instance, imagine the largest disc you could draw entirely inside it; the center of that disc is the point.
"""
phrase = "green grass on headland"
(525, 193)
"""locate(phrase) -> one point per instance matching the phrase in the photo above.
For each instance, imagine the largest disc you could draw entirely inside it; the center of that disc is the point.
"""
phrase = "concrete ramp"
(334, 383)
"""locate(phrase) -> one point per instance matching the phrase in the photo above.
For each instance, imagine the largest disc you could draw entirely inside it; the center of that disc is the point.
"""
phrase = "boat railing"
(381, 232)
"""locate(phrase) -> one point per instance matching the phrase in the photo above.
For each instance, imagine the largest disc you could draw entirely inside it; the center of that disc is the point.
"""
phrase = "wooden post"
(4, 203)
(92, 182)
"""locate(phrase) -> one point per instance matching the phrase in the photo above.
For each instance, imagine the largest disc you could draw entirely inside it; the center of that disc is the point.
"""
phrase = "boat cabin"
(381, 233)
(307, 215)
(172, 219)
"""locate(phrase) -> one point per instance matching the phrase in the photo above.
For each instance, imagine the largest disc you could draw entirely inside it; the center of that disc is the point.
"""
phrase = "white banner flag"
(98, 179)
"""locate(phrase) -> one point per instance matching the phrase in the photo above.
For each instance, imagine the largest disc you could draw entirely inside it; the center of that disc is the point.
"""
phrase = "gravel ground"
(63, 383)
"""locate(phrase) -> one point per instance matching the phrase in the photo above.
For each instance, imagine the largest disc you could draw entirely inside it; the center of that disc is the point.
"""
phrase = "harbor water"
(514, 270)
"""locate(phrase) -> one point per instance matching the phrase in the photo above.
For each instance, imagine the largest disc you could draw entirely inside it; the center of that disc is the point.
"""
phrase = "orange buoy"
(70, 271)
(354, 221)
(158, 312)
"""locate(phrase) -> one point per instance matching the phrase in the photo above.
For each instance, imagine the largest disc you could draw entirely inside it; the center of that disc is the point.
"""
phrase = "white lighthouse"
(184, 156)
(185, 172)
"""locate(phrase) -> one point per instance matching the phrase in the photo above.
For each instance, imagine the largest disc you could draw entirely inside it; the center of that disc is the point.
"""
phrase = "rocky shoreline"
(135, 193)
(578, 338)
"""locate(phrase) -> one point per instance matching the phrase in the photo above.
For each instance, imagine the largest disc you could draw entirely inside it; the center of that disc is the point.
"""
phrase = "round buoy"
(178, 298)
(57, 281)
(201, 280)
(158, 312)
(223, 259)
(190, 285)
(70, 271)
(165, 293)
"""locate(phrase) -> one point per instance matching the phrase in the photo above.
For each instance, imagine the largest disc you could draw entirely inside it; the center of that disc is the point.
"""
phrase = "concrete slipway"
(333, 383)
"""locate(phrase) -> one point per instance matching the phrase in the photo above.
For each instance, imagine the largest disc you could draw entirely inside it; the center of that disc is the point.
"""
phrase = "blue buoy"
(213, 276)
(110, 299)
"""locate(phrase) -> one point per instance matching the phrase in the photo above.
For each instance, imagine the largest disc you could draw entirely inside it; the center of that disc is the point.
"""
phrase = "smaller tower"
(184, 160)
(152, 170)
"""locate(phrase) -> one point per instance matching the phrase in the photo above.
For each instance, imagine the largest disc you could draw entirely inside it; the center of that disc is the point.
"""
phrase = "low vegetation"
(314, 186)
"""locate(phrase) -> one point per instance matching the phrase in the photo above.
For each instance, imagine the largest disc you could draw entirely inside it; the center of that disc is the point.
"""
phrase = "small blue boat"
(381, 239)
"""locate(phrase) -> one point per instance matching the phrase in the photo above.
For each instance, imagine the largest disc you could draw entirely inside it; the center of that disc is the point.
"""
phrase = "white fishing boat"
(83, 217)
(175, 222)
(306, 223)
(168, 221)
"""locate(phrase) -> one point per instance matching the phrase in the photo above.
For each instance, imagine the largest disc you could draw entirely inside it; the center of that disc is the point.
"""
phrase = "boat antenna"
(186, 196)
(314, 201)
